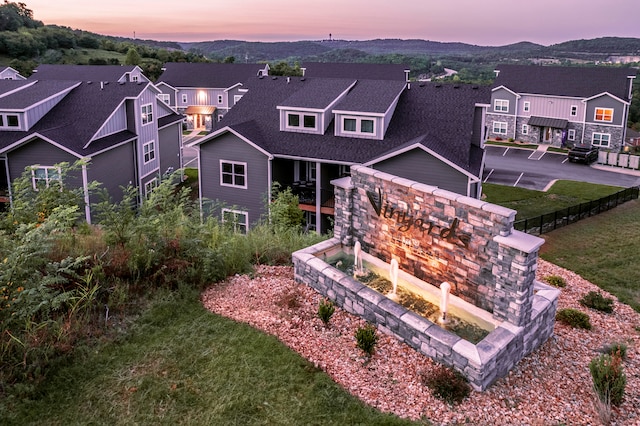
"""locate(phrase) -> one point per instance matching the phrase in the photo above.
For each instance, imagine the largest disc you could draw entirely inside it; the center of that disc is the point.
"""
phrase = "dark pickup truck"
(583, 153)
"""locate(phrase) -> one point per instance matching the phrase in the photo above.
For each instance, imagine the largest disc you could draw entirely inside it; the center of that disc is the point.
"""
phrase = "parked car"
(583, 153)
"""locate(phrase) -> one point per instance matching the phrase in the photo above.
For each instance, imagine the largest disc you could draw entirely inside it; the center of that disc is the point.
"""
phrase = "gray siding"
(116, 123)
(147, 132)
(605, 102)
(113, 168)
(41, 153)
(230, 148)
(418, 165)
(169, 140)
(37, 112)
(551, 106)
(505, 95)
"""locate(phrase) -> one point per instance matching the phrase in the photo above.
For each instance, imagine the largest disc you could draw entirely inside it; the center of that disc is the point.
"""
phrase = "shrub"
(326, 310)
(447, 384)
(616, 348)
(574, 318)
(595, 300)
(367, 338)
(556, 281)
(608, 377)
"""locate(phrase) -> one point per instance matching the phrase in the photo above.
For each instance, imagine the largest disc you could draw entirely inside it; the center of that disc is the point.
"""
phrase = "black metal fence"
(548, 222)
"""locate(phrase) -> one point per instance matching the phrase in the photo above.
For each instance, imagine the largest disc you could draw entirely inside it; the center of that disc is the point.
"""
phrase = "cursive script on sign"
(407, 219)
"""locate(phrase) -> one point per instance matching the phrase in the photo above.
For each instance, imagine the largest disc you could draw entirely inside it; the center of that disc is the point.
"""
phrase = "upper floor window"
(134, 78)
(233, 173)
(500, 127)
(184, 98)
(526, 106)
(147, 114)
(358, 125)
(604, 114)
(43, 177)
(164, 98)
(237, 219)
(9, 120)
(600, 139)
(574, 110)
(501, 105)
(219, 99)
(149, 151)
(307, 121)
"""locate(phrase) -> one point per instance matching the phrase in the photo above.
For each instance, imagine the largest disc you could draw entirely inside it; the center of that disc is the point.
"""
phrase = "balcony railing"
(307, 195)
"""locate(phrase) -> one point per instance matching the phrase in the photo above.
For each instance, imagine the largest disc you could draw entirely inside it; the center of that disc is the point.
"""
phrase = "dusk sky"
(481, 22)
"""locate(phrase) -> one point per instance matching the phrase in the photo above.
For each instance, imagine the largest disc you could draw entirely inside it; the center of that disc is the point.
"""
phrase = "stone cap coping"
(520, 241)
(344, 183)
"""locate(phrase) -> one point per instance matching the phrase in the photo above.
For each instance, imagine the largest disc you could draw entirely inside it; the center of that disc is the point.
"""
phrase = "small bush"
(617, 348)
(556, 281)
(608, 377)
(574, 318)
(326, 310)
(595, 300)
(447, 384)
(367, 338)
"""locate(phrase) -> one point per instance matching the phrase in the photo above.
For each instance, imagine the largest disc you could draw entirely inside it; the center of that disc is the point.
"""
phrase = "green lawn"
(181, 364)
(530, 203)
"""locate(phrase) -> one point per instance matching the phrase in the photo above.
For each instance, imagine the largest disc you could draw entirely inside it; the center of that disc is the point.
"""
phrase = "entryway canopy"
(200, 109)
(556, 123)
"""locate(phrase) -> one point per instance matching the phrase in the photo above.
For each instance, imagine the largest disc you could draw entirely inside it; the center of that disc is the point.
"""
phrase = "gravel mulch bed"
(550, 386)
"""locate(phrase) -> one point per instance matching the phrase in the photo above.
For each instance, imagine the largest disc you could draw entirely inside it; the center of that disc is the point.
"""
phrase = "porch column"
(318, 197)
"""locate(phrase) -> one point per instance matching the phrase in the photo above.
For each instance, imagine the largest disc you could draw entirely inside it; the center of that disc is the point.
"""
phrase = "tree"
(14, 16)
(133, 57)
(229, 60)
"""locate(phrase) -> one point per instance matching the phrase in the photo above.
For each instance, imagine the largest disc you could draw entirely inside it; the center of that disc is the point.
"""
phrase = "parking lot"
(539, 169)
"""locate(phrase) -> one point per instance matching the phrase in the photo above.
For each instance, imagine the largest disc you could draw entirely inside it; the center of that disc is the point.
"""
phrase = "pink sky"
(481, 22)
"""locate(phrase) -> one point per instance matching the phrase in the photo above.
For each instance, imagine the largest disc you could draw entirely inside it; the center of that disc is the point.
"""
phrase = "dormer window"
(299, 120)
(358, 125)
(9, 120)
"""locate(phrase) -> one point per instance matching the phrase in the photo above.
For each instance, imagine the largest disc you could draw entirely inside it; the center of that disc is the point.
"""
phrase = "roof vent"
(438, 85)
(475, 87)
(89, 82)
(421, 84)
(261, 76)
(456, 86)
(302, 79)
(274, 78)
(288, 80)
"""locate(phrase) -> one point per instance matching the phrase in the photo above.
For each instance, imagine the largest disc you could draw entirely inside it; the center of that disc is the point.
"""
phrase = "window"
(236, 98)
(164, 98)
(293, 120)
(571, 135)
(238, 220)
(311, 171)
(43, 177)
(604, 114)
(308, 121)
(501, 105)
(9, 121)
(525, 129)
(149, 151)
(220, 117)
(358, 125)
(574, 110)
(310, 221)
(219, 99)
(134, 78)
(184, 98)
(150, 186)
(600, 139)
(526, 107)
(147, 114)
(500, 127)
(233, 174)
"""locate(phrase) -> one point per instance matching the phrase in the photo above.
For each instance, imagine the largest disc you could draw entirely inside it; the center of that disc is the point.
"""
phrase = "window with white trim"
(296, 121)
(525, 129)
(233, 173)
(164, 98)
(150, 186)
(219, 99)
(184, 98)
(147, 114)
(9, 120)
(358, 125)
(574, 110)
(500, 127)
(526, 106)
(501, 105)
(134, 78)
(220, 117)
(45, 176)
(310, 220)
(149, 151)
(237, 219)
(604, 114)
(571, 134)
(600, 139)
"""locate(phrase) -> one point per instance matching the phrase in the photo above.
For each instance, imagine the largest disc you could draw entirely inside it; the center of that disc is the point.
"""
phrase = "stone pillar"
(343, 224)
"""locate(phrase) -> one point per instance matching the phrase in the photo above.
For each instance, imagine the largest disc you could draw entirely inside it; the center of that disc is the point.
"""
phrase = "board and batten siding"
(555, 107)
(112, 169)
(116, 123)
(33, 115)
(229, 147)
(422, 167)
(203, 97)
(169, 140)
(147, 132)
(39, 152)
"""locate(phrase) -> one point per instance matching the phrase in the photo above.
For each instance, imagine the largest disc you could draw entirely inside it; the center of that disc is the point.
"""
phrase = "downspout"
(200, 185)
(269, 184)
(515, 119)
(318, 197)
(85, 186)
(6, 166)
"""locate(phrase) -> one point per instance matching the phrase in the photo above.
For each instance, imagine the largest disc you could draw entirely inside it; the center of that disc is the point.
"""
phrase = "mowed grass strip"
(181, 364)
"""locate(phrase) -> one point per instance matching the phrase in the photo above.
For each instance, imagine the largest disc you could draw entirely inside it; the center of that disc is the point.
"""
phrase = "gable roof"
(355, 70)
(579, 82)
(206, 74)
(81, 72)
(440, 116)
(78, 116)
(317, 93)
(30, 92)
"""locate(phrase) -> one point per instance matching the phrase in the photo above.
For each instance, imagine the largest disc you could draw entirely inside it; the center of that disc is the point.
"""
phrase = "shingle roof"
(7, 86)
(76, 118)
(317, 93)
(356, 70)
(31, 94)
(580, 82)
(440, 116)
(81, 72)
(360, 99)
(204, 74)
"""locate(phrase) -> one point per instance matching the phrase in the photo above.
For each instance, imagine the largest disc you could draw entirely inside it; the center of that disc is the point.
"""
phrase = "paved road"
(189, 153)
(538, 170)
